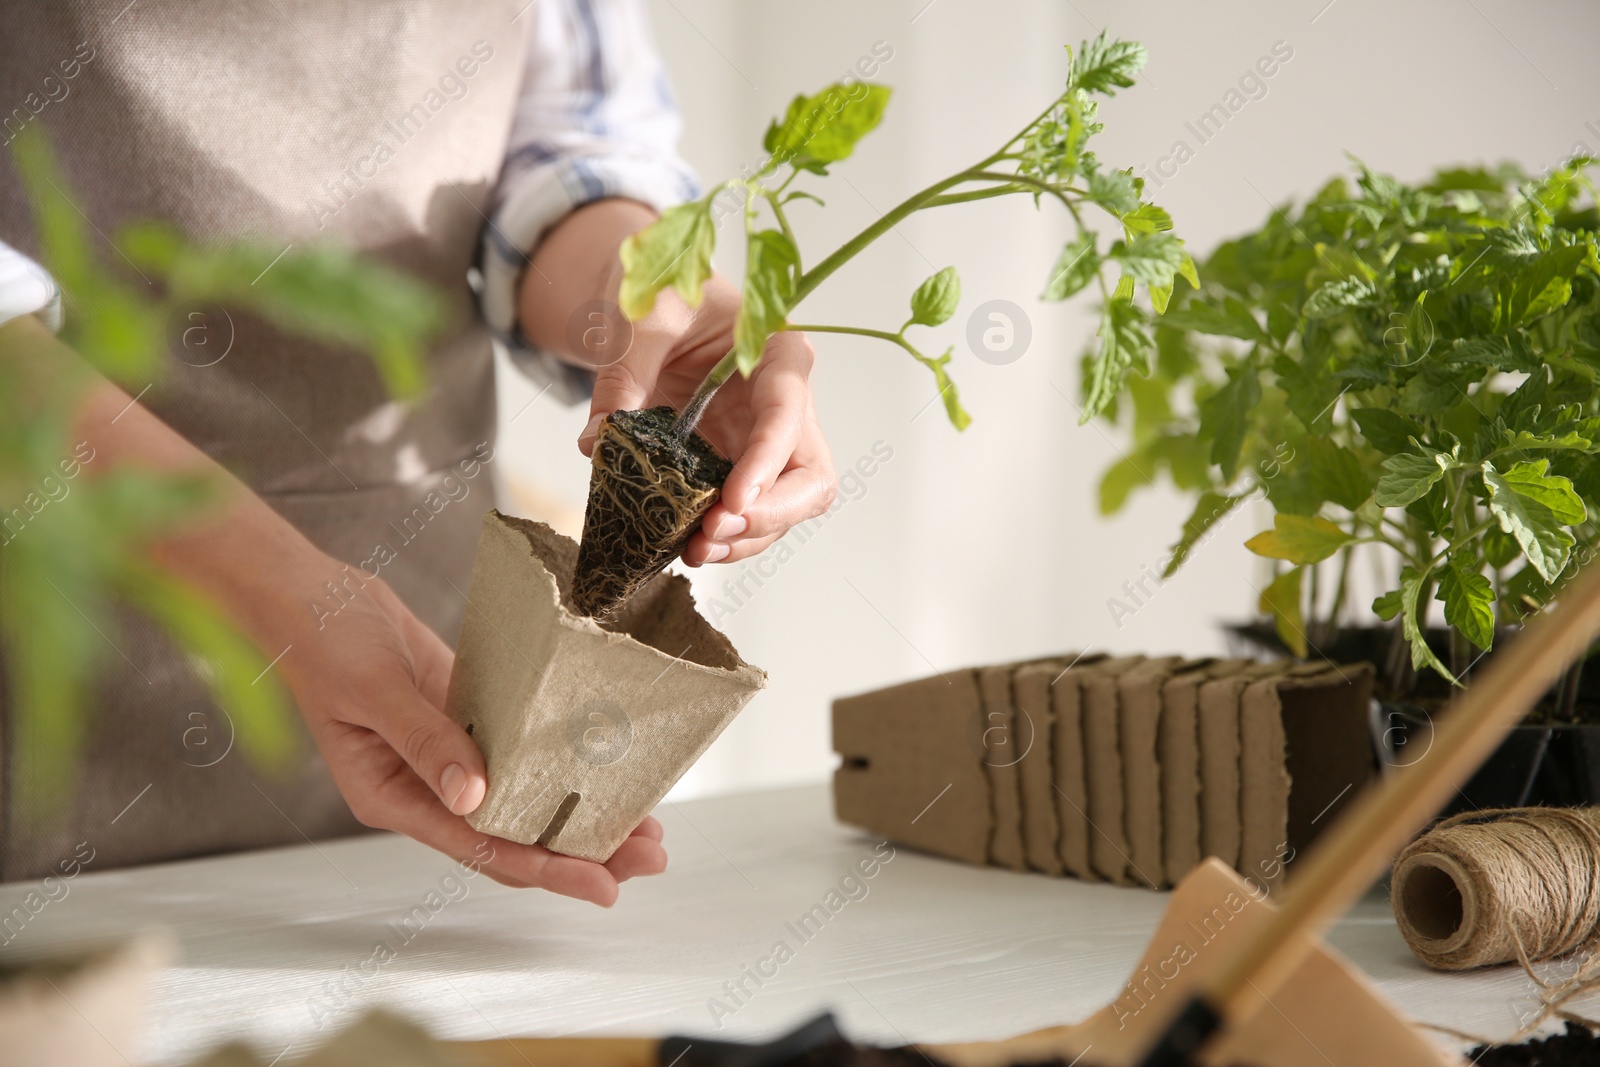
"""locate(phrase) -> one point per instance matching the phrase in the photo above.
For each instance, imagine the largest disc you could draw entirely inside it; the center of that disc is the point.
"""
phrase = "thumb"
(438, 750)
(623, 386)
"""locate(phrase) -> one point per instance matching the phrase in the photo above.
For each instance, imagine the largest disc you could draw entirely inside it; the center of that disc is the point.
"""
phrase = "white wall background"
(985, 546)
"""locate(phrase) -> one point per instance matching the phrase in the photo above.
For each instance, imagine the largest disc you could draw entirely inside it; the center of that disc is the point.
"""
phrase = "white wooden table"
(272, 942)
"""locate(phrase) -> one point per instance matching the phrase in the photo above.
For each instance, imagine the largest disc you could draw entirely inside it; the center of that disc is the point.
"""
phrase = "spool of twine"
(1490, 887)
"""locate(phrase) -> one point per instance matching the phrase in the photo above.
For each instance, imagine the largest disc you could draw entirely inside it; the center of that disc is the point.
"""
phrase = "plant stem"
(783, 225)
(968, 197)
(1313, 591)
(807, 281)
(1460, 519)
(1341, 589)
(1021, 179)
(689, 418)
(862, 331)
(851, 248)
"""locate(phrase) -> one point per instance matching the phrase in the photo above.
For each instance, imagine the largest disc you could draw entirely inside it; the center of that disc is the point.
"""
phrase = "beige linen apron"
(380, 124)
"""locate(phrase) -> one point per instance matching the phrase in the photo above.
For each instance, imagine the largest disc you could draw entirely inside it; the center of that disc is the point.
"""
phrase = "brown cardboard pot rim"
(613, 630)
(584, 726)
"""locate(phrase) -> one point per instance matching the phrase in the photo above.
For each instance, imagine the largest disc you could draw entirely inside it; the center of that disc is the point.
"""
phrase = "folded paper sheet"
(583, 727)
(1326, 1014)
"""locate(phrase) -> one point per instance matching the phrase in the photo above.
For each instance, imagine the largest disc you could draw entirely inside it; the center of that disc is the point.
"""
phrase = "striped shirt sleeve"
(26, 289)
(596, 118)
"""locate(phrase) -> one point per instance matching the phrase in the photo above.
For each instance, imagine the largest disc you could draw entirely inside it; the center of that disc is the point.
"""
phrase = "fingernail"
(590, 432)
(453, 788)
(726, 527)
(717, 553)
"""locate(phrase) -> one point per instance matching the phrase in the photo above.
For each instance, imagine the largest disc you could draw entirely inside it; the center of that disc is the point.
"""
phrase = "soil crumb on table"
(1574, 1046)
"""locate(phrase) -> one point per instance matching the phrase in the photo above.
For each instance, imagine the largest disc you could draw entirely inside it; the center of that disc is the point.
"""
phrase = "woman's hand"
(370, 682)
(783, 472)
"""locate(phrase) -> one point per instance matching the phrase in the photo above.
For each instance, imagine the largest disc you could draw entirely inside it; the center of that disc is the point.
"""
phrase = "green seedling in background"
(1048, 159)
(1410, 367)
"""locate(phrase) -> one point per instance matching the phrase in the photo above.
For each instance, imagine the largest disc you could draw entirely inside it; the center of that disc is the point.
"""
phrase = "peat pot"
(584, 725)
(1551, 759)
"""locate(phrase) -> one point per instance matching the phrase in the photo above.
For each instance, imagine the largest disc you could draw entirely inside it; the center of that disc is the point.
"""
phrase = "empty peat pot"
(583, 726)
(648, 490)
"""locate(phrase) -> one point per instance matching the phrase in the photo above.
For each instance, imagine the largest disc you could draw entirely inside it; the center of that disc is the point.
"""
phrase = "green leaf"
(1103, 66)
(1289, 488)
(1299, 539)
(1281, 600)
(1225, 417)
(1160, 297)
(1528, 519)
(824, 128)
(1124, 345)
(1523, 441)
(947, 390)
(235, 672)
(1209, 510)
(1336, 474)
(1331, 298)
(1119, 480)
(321, 291)
(1232, 319)
(1387, 606)
(63, 233)
(1496, 352)
(1187, 270)
(1386, 430)
(51, 617)
(1531, 480)
(1114, 190)
(1433, 391)
(1077, 266)
(1410, 476)
(1468, 603)
(1412, 625)
(674, 250)
(1153, 259)
(1147, 218)
(1311, 390)
(770, 259)
(1499, 548)
(935, 299)
(1186, 461)
(1543, 285)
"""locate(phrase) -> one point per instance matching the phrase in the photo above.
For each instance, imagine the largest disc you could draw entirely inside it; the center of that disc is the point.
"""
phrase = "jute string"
(1489, 887)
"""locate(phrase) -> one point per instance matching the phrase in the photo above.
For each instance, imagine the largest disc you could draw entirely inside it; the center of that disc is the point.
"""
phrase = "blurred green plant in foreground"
(63, 571)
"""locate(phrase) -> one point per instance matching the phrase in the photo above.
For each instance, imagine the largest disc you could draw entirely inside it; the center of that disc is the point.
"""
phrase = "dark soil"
(1577, 1047)
(844, 1054)
(1573, 1047)
(647, 494)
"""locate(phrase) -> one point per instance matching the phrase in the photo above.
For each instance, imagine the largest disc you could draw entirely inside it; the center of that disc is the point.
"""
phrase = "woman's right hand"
(370, 681)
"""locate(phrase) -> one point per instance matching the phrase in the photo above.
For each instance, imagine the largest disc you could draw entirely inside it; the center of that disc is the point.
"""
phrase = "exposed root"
(648, 492)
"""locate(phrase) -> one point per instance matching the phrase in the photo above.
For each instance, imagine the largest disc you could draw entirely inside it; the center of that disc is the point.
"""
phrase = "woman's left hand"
(783, 471)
